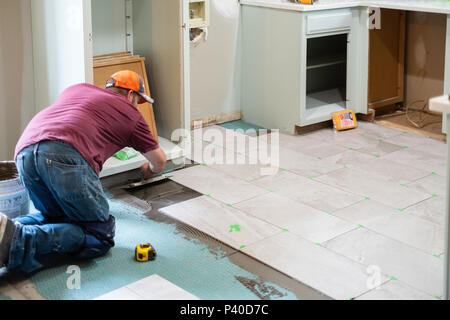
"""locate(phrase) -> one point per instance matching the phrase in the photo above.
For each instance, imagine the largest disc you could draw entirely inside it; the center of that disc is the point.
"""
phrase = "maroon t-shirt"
(96, 122)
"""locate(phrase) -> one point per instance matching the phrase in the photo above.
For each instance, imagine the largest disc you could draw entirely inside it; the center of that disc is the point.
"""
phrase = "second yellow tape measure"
(145, 252)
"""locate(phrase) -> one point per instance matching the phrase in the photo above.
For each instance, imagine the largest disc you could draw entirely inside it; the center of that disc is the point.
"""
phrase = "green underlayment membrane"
(188, 263)
(239, 125)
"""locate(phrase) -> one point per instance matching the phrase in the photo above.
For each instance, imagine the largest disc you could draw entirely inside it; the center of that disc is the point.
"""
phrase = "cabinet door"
(62, 47)
(161, 34)
(387, 60)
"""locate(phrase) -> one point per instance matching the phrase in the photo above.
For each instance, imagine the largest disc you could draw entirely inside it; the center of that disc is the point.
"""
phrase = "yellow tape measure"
(145, 252)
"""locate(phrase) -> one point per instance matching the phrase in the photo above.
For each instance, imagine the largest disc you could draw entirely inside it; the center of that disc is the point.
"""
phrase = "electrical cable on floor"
(420, 123)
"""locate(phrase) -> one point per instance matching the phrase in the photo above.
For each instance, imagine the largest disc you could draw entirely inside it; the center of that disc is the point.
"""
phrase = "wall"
(108, 26)
(16, 68)
(215, 64)
(425, 55)
(61, 47)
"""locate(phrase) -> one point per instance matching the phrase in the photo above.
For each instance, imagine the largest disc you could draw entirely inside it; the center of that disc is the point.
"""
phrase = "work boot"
(7, 229)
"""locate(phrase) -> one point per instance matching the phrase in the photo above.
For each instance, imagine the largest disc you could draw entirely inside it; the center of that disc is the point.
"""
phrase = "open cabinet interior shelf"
(326, 75)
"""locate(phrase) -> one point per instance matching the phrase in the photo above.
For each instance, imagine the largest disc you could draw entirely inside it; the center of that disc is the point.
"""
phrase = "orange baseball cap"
(130, 80)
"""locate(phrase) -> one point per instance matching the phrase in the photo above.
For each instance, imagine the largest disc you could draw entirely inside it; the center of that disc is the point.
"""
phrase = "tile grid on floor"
(281, 231)
(328, 185)
(332, 187)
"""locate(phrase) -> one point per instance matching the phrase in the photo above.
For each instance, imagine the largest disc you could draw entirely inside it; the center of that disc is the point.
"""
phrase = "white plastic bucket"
(14, 200)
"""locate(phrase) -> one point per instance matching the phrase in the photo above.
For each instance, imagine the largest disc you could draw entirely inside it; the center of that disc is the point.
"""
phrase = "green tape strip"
(235, 228)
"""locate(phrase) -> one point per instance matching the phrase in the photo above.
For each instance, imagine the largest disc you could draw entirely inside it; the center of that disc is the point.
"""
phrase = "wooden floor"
(432, 124)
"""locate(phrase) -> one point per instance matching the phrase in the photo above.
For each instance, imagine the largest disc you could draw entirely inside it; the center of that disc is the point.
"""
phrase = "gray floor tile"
(431, 184)
(395, 290)
(380, 148)
(355, 139)
(409, 140)
(150, 288)
(401, 173)
(419, 160)
(406, 228)
(374, 186)
(432, 210)
(305, 165)
(378, 131)
(217, 184)
(308, 191)
(317, 267)
(349, 158)
(227, 224)
(412, 266)
(311, 224)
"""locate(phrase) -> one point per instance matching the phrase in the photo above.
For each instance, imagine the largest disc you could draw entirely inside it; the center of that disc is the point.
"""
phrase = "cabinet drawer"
(328, 22)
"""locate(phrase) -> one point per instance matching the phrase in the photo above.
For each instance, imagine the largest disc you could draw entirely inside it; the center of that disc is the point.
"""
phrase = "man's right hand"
(157, 162)
(146, 172)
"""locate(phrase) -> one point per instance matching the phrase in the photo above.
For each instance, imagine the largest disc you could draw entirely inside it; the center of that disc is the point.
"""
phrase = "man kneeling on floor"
(59, 158)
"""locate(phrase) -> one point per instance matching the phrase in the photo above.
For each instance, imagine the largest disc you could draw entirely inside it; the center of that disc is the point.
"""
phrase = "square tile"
(305, 165)
(401, 173)
(308, 191)
(313, 225)
(432, 210)
(436, 147)
(227, 224)
(322, 150)
(328, 272)
(349, 158)
(217, 184)
(380, 148)
(374, 186)
(158, 288)
(121, 294)
(419, 160)
(355, 139)
(431, 184)
(416, 268)
(406, 228)
(395, 290)
(378, 131)
(247, 172)
(151, 288)
(409, 140)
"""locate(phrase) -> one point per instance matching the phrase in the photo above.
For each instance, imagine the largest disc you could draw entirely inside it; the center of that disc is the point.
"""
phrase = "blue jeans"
(73, 218)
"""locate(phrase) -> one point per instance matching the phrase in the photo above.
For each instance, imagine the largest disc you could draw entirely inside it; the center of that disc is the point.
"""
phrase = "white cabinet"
(300, 67)
(329, 22)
